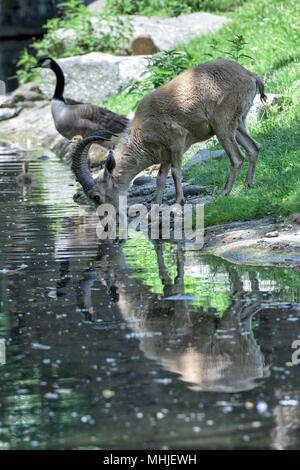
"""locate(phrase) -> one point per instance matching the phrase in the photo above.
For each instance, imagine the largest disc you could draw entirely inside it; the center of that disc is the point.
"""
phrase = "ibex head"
(103, 189)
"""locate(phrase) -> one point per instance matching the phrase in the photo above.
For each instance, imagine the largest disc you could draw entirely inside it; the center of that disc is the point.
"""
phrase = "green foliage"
(24, 73)
(271, 29)
(161, 68)
(168, 7)
(237, 45)
(83, 32)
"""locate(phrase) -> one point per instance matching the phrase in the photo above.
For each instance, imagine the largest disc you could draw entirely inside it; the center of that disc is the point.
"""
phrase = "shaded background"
(20, 22)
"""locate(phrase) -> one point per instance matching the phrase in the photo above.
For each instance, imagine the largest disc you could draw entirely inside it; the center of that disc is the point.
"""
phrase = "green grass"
(272, 33)
(169, 7)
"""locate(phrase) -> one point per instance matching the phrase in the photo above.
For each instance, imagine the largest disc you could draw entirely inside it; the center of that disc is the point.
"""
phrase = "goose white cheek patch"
(47, 63)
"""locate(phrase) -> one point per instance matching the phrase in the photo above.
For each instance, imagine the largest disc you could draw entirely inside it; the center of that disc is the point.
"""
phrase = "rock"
(6, 102)
(97, 7)
(154, 167)
(195, 190)
(169, 32)
(295, 218)
(142, 44)
(94, 77)
(27, 92)
(272, 234)
(188, 190)
(8, 113)
(260, 110)
(143, 179)
(203, 156)
(66, 37)
(144, 190)
(32, 125)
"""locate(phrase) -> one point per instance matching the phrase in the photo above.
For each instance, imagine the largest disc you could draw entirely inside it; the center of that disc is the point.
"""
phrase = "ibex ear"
(110, 164)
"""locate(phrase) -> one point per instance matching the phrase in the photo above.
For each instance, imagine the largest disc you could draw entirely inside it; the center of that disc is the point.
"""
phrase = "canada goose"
(26, 179)
(81, 119)
(94, 158)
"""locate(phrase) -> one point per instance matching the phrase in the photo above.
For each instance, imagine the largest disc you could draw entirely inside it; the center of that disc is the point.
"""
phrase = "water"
(10, 53)
(99, 355)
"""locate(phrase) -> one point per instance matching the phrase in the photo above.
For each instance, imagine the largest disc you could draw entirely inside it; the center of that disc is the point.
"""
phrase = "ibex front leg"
(161, 181)
(176, 170)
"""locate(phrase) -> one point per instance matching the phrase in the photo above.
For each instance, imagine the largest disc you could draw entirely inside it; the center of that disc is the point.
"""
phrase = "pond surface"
(134, 345)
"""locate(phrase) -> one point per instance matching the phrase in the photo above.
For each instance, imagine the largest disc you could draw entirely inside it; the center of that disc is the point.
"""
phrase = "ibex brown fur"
(210, 99)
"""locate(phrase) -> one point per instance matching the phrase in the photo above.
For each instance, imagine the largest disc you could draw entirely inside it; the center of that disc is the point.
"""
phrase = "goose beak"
(34, 66)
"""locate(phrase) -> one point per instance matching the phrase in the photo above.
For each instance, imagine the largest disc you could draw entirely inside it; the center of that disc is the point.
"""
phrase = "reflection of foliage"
(213, 288)
(141, 257)
(212, 294)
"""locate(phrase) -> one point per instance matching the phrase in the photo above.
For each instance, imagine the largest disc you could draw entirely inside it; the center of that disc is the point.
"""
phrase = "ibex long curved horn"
(80, 164)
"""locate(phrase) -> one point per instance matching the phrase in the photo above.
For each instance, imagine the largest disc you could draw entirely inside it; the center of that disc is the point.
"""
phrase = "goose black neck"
(60, 81)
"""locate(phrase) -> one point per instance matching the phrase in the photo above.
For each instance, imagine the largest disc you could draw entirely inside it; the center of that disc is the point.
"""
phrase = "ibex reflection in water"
(208, 352)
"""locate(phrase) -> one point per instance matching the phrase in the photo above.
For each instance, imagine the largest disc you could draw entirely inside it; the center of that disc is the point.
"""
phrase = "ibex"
(210, 99)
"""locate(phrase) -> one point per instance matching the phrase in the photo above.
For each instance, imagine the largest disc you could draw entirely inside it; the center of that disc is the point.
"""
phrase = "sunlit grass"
(272, 33)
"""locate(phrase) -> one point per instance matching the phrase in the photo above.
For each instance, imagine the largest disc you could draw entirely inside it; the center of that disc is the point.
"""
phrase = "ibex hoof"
(180, 201)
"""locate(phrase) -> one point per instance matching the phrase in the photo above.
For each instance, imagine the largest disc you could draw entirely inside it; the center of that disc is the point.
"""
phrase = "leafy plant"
(168, 7)
(161, 68)
(237, 45)
(24, 71)
(81, 32)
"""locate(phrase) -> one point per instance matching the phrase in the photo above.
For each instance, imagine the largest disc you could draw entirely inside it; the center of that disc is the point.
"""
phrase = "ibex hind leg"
(176, 170)
(243, 129)
(236, 157)
(161, 181)
(252, 148)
